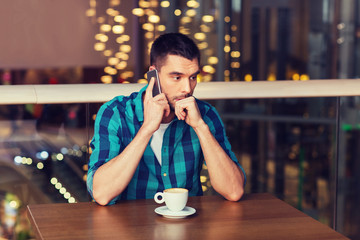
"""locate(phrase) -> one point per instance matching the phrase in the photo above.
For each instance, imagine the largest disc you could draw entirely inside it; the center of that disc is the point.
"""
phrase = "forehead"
(175, 63)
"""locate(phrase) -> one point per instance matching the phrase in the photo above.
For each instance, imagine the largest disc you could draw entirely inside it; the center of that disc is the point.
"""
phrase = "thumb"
(167, 111)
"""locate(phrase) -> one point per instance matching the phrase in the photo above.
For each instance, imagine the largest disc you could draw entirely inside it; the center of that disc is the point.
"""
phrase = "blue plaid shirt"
(117, 123)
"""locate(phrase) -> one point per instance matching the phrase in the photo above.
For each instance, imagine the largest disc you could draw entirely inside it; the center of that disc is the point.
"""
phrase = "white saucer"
(164, 211)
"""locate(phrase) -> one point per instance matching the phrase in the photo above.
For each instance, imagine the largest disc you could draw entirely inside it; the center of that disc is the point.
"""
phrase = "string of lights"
(41, 160)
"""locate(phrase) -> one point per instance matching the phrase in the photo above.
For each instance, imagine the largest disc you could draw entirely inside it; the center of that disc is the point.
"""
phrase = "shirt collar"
(139, 104)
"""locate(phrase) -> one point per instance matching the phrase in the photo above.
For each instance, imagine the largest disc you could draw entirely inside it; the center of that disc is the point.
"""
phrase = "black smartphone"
(154, 74)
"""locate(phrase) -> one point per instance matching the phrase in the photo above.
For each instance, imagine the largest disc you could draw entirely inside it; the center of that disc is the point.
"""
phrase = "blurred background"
(288, 146)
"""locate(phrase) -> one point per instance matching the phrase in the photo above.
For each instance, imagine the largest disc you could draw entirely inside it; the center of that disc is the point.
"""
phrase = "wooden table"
(256, 216)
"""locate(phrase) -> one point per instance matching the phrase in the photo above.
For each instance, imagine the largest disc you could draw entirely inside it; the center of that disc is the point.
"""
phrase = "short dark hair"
(172, 44)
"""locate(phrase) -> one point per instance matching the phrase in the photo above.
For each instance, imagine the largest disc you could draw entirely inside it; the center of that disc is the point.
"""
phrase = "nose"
(186, 88)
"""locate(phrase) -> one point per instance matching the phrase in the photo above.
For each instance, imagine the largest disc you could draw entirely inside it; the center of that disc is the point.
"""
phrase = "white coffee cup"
(174, 198)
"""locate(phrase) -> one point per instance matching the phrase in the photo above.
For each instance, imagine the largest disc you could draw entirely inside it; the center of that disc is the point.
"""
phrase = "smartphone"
(154, 74)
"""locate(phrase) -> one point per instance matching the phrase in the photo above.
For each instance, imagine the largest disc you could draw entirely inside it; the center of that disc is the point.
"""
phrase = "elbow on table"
(236, 195)
(100, 199)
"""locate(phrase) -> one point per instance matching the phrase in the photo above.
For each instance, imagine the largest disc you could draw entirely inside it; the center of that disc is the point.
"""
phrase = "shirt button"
(165, 174)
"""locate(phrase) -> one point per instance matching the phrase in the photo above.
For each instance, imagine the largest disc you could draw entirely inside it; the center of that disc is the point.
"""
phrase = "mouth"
(182, 97)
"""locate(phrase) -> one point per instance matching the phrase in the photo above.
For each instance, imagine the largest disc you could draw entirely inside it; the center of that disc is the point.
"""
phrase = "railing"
(90, 93)
(97, 93)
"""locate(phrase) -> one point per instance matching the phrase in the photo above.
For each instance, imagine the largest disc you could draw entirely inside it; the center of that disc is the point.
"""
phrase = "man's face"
(178, 78)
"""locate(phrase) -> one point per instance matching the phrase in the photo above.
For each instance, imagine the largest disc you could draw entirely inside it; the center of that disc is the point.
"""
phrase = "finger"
(160, 97)
(149, 89)
(179, 112)
(187, 104)
(167, 110)
(183, 113)
(183, 109)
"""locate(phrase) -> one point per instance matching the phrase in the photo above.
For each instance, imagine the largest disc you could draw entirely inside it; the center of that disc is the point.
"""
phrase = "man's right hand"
(155, 108)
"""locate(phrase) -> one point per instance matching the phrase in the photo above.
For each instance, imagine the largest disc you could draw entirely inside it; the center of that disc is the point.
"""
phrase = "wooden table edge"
(246, 197)
(33, 223)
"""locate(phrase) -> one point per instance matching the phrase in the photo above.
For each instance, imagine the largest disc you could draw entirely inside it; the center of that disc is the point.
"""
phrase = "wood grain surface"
(256, 216)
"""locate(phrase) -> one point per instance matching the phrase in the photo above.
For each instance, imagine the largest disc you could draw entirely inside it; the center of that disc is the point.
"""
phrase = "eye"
(193, 78)
(176, 77)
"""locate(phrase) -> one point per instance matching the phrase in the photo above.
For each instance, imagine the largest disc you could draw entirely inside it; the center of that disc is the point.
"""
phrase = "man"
(144, 144)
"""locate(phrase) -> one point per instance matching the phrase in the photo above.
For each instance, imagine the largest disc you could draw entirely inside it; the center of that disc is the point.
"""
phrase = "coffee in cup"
(174, 198)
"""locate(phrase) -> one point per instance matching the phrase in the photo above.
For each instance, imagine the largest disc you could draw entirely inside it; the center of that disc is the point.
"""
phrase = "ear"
(152, 67)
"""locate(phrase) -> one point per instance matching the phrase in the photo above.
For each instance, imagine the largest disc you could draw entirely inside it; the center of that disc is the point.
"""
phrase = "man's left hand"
(187, 109)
